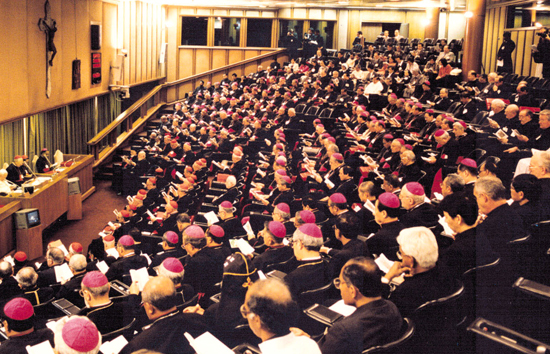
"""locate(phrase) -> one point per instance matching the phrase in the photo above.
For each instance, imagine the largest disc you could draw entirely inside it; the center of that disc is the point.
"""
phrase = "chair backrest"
(407, 331)
(300, 108)
(312, 111)
(319, 295)
(112, 335)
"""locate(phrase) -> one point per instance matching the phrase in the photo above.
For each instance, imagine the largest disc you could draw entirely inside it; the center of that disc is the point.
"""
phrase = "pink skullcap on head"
(19, 309)
(373, 118)
(279, 146)
(389, 200)
(463, 124)
(418, 105)
(427, 83)
(338, 156)
(307, 216)
(282, 135)
(469, 163)
(208, 144)
(429, 111)
(440, 132)
(173, 141)
(338, 198)
(20, 256)
(382, 123)
(173, 265)
(160, 170)
(171, 154)
(287, 179)
(94, 279)
(44, 150)
(281, 172)
(203, 160)
(171, 236)
(183, 186)
(126, 241)
(325, 135)
(237, 152)
(245, 220)
(409, 102)
(281, 153)
(278, 229)
(280, 161)
(142, 191)
(320, 125)
(174, 204)
(388, 136)
(109, 238)
(226, 204)
(311, 230)
(152, 180)
(317, 120)
(283, 207)
(450, 119)
(133, 207)
(24, 157)
(77, 247)
(139, 197)
(393, 95)
(216, 231)
(189, 169)
(124, 214)
(401, 141)
(80, 334)
(194, 231)
(331, 139)
(408, 146)
(402, 100)
(415, 188)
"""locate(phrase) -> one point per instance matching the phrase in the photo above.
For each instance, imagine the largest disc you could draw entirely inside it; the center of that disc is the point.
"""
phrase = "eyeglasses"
(337, 283)
(244, 312)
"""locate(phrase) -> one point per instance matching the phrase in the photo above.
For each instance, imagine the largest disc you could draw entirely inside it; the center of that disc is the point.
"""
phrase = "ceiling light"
(538, 24)
(468, 14)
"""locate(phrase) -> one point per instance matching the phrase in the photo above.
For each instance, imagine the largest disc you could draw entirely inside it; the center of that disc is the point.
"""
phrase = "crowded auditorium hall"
(335, 177)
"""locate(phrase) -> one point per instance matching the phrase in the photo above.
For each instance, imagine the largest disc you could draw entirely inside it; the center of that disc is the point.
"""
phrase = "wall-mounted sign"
(96, 68)
(76, 74)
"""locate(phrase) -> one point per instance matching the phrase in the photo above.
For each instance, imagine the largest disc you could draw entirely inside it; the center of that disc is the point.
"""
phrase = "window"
(227, 32)
(259, 33)
(326, 30)
(519, 16)
(194, 30)
(288, 25)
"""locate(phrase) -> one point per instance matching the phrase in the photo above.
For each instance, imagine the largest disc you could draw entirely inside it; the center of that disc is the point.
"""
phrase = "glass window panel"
(259, 33)
(194, 30)
(227, 31)
(326, 30)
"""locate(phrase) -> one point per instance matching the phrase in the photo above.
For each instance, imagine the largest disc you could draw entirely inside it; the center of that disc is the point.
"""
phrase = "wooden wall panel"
(520, 60)
(236, 56)
(186, 63)
(251, 54)
(202, 61)
(219, 58)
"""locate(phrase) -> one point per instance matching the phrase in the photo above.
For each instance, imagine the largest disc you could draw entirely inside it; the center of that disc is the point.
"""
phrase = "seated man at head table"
(6, 186)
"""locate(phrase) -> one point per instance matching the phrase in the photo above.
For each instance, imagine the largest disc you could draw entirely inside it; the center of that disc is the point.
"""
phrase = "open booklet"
(206, 343)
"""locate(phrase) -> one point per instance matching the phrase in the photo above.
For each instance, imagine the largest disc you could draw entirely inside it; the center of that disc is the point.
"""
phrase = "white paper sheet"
(63, 273)
(211, 218)
(102, 266)
(41, 348)
(342, 308)
(114, 346)
(141, 276)
(112, 252)
(206, 343)
(244, 247)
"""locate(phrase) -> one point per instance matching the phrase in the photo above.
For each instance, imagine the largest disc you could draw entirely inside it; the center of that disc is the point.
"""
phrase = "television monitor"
(27, 218)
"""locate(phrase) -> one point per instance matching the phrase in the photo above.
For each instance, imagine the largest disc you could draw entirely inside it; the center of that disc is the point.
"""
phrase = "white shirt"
(290, 344)
(374, 88)
(5, 187)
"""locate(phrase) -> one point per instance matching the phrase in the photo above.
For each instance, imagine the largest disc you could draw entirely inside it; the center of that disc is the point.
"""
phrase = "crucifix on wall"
(49, 27)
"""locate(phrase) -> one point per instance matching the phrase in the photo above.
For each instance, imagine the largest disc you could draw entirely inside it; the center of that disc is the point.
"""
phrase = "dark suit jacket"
(384, 241)
(376, 323)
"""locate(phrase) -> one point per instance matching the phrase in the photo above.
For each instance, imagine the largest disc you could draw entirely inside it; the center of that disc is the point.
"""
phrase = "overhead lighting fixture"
(468, 14)
(538, 25)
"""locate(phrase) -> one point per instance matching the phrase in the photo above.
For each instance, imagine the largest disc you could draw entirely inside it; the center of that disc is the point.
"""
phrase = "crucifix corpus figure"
(49, 27)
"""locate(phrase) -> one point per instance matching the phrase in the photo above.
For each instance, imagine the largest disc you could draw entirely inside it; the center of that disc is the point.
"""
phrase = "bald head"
(27, 278)
(271, 301)
(159, 292)
(6, 270)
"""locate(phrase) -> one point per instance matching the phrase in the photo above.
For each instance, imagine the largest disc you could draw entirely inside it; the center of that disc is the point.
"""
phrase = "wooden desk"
(83, 169)
(52, 201)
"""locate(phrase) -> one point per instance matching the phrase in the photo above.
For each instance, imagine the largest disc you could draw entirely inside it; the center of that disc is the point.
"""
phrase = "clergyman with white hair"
(424, 280)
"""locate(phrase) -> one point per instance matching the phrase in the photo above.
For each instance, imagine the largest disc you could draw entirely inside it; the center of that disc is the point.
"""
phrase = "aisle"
(97, 210)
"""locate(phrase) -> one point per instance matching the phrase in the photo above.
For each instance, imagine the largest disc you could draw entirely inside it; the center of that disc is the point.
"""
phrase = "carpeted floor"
(97, 210)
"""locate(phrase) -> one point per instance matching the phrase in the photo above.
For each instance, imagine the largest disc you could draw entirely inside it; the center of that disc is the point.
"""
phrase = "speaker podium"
(30, 241)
